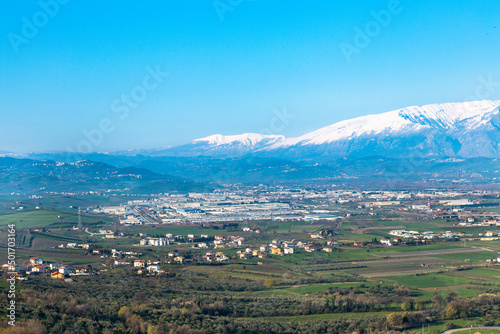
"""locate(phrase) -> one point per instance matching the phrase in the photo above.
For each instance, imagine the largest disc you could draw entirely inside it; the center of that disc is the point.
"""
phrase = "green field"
(312, 317)
(474, 257)
(482, 272)
(313, 288)
(482, 331)
(428, 281)
(43, 218)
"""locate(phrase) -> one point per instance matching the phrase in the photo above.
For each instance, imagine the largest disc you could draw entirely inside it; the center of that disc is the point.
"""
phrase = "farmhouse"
(38, 269)
(139, 263)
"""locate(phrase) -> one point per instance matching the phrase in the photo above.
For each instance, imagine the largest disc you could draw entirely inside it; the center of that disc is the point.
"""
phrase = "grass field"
(42, 218)
(493, 272)
(482, 331)
(440, 326)
(312, 288)
(473, 257)
(312, 317)
(429, 281)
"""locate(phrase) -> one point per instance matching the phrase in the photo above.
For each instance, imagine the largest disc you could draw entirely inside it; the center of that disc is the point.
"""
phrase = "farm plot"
(430, 281)
(432, 252)
(407, 261)
(394, 271)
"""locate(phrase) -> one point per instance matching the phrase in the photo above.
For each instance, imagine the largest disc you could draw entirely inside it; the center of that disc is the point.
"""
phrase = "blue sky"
(230, 65)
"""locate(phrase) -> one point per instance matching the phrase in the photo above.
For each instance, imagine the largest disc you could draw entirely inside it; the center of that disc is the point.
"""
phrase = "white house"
(154, 268)
(66, 270)
(386, 242)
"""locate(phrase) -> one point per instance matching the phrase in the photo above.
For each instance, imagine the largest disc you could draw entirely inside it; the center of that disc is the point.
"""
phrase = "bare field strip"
(406, 261)
(453, 287)
(393, 271)
(433, 252)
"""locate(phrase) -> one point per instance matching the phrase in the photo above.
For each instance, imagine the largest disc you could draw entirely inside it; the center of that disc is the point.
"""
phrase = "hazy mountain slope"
(222, 146)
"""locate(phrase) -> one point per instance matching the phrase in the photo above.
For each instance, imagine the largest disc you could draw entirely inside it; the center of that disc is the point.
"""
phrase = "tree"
(438, 300)
(395, 319)
(451, 311)
(269, 282)
(452, 295)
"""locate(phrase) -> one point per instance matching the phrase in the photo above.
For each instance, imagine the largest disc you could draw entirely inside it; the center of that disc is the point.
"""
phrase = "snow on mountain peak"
(446, 115)
(246, 139)
(405, 120)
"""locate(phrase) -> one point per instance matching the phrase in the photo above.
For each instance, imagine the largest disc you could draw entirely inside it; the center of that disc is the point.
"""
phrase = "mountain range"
(464, 130)
(450, 143)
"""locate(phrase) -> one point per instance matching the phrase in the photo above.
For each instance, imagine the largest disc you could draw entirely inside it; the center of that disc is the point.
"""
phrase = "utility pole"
(79, 218)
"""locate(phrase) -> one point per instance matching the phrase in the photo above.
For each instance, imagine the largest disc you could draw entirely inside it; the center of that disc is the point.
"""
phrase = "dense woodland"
(116, 303)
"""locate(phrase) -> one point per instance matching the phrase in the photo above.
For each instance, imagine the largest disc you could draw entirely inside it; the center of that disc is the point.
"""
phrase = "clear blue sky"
(229, 70)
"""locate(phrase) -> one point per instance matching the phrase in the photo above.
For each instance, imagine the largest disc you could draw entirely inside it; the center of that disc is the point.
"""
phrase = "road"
(467, 328)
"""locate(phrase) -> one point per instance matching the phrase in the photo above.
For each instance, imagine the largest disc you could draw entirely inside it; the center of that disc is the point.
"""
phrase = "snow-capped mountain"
(223, 146)
(470, 129)
(465, 130)
(250, 140)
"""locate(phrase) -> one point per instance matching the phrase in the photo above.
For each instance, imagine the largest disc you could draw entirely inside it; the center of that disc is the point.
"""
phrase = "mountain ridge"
(461, 129)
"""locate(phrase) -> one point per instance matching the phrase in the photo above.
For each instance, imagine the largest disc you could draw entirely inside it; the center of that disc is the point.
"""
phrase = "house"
(120, 262)
(288, 250)
(332, 243)
(57, 275)
(20, 269)
(302, 243)
(316, 236)
(288, 244)
(179, 259)
(38, 269)
(275, 250)
(55, 266)
(66, 270)
(154, 268)
(83, 270)
(72, 244)
(173, 254)
(220, 257)
(97, 251)
(327, 249)
(358, 244)
(386, 242)
(264, 249)
(204, 236)
(143, 234)
(139, 263)
(86, 246)
(36, 261)
(245, 255)
(210, 253)
(276, 242)
(240, 241)
(311, 248)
